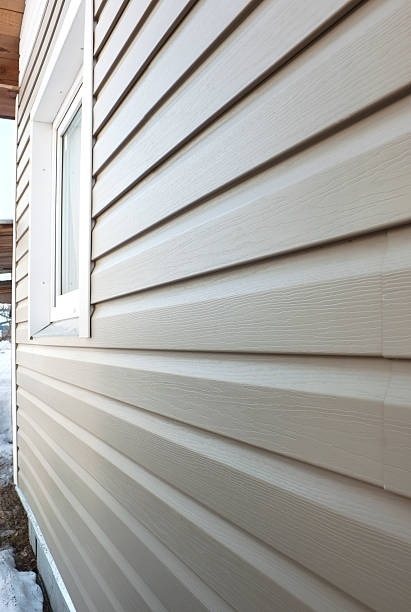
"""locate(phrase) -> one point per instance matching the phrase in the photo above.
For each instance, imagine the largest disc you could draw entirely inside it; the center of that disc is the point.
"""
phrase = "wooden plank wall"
(236, 432)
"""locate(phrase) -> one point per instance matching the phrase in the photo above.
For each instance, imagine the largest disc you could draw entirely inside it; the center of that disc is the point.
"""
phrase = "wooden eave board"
(11, 13)
(6, 247)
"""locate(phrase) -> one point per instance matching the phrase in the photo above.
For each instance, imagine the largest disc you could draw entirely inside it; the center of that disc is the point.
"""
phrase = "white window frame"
(70, 62)
(65, 306)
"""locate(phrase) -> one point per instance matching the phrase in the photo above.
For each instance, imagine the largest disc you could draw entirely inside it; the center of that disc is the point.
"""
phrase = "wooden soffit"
(11, 14)
(6, 246)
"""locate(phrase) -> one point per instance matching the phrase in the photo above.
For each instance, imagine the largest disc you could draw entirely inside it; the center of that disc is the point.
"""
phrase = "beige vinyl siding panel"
(306, 98)
(119, 21)
(272, 592)
(22, 246)
(234, 435)
(23, 137)
(337, 520)
(163, 20)
(23, 203)
(22, 268)
(180, 588)
(22, 289)
(99, 564)
(208, 18)
(325, 412)
(98, 7)
(58, 534)
(318, 195)
(212, 23)
(22, 311)
(22, 333)
(23, 163)
(397, 294)
(22, 225)
(397, 430)
(323, 301)
(23, 181)
(107, 21)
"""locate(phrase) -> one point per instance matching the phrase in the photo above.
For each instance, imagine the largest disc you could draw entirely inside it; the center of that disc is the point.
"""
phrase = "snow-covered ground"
(5, 414)
(19, 591)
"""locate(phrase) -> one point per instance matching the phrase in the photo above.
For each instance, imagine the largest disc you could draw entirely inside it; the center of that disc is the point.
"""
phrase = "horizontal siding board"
(397, 430)
(23, 182)
(321, 194)
(22, 246)
(22, 333)
(179, 455)
(179, 588)
(133, 14)
(363, 524)
(23, 136)
(112, 590)
(22, 204)
(206, 23)
(324, 301)
(56, 536)
(22, 225)
(306, 98)
(259, 578)
(397, 294)
(107, 20)
(38, 474)
(209, 19)
(98, 7)
(163, 20)
(23, 162)
(324, 412)
(132, 432)
(22, 288)
(22, 313)
(22, 268)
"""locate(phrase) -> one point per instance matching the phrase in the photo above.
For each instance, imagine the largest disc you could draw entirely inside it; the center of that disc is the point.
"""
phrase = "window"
(67, 145)
(61, 168)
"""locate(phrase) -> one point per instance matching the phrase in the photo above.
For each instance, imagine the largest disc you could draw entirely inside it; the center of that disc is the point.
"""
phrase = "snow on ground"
(19, 591)
(5, 414)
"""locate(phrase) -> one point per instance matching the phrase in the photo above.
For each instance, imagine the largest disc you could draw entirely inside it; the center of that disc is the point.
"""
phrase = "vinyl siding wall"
(236, 432)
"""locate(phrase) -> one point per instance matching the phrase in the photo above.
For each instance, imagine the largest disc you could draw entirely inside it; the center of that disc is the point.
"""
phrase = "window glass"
(70, 210)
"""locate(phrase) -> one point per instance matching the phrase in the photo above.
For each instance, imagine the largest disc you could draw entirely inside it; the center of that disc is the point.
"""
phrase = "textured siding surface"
(236, 432)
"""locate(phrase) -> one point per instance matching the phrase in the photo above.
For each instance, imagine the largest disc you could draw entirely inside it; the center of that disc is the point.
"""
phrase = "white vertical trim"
(40, 248)
(13, 325)
(63, 65)
(86, 183)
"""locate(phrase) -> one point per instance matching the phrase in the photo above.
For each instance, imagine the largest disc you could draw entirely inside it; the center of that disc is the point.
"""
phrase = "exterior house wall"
(235, 432)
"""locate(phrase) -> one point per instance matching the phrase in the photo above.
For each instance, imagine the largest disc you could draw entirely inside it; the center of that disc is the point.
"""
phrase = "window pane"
(70, 205)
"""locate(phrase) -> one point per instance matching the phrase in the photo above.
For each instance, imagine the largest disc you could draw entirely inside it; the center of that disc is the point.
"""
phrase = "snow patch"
(19, 591)
(6, 447)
